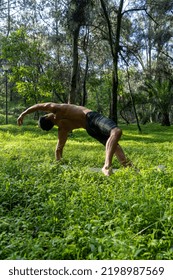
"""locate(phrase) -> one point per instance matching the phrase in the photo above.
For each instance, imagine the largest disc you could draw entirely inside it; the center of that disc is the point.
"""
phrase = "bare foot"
(130, 164)
(107, 171)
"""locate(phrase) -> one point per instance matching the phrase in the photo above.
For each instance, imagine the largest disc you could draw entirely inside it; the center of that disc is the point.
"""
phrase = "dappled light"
(66, 210)
(63, 195)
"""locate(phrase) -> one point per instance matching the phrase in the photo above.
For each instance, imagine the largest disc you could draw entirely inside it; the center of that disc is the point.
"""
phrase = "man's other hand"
(20, 120)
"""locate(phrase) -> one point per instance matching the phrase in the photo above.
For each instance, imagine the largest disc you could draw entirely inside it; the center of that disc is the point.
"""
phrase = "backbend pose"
(68, 117)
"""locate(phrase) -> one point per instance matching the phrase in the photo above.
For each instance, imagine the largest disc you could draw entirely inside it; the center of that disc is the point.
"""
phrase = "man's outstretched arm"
(46, 107)
(62, 138)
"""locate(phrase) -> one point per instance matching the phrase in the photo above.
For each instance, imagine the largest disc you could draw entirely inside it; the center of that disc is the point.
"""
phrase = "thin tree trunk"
(114, 94)
(114, 113)
(133, 102)
(74, 75)
(84, 99)
(115, 47)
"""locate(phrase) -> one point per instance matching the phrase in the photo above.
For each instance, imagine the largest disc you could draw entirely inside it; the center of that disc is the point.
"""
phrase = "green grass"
(51, 212)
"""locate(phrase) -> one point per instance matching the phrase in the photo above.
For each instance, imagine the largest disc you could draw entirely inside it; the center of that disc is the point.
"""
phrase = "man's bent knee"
(117, 132)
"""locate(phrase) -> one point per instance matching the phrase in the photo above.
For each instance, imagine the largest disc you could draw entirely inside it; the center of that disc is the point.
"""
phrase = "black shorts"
(98, 126)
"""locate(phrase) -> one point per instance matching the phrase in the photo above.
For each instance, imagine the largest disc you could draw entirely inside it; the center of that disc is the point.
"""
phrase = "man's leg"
(119, 153)
(111, 149)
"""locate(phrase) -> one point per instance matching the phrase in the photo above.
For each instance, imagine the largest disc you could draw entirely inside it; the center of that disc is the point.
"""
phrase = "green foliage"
(161, 93)
(29, 75)
(64, 210)
(99, 92)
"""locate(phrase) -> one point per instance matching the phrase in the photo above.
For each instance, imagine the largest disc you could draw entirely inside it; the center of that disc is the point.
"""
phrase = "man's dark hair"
(45, 123)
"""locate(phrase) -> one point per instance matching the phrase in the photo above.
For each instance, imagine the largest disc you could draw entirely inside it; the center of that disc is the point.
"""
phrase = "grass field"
(52, 210)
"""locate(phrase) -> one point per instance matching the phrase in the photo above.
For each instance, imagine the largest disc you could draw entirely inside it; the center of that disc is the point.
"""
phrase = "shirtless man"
(68, 117)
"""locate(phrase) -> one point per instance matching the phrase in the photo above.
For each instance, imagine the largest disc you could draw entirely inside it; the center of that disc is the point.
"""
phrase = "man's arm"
(62, 138)
(46, 107)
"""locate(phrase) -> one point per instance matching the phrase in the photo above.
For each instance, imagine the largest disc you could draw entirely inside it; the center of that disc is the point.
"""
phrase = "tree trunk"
(114, 94)
(133, 102)
(113, 113)
(8, 19)
(165, 119)
(74, 75)
(84, 99)
(115, 47)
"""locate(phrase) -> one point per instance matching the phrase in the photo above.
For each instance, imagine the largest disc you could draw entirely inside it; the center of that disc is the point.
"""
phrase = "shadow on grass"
(16, 130)
(151, 133)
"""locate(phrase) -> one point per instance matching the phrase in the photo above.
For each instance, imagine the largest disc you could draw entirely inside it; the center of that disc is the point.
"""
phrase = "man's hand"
(20, 120)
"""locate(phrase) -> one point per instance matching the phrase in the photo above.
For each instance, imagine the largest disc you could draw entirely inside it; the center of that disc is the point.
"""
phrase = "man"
(68, 117)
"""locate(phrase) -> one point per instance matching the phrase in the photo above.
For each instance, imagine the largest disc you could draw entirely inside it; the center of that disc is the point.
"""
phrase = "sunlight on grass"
(64, 210)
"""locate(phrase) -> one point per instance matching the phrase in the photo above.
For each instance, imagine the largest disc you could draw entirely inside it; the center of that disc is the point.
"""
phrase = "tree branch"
(140, 9)
(134, 10)
(166, 54)
(151, 18)
(109, 25)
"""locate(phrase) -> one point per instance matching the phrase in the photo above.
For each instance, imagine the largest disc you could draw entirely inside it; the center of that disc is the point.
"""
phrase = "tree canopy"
(113, 56)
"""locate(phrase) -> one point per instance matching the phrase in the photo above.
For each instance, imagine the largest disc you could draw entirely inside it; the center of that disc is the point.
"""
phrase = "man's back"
(70, 111)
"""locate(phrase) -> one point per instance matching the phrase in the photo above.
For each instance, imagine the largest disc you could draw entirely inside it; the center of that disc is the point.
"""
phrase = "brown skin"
(69, 117)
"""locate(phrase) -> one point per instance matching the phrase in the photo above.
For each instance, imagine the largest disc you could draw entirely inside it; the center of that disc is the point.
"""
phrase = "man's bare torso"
(66, 116)
(70, 116)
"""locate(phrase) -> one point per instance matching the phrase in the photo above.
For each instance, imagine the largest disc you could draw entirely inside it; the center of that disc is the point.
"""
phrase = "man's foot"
(130, 164)
(107, 171)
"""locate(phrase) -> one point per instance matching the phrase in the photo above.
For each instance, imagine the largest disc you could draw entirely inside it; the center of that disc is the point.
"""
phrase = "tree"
(161, 94)
(114, 39)
(115, 47)
(84, 48)
(26, 59)
(77, 43)
(159, 74)
(78, 15)
(6, 9)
